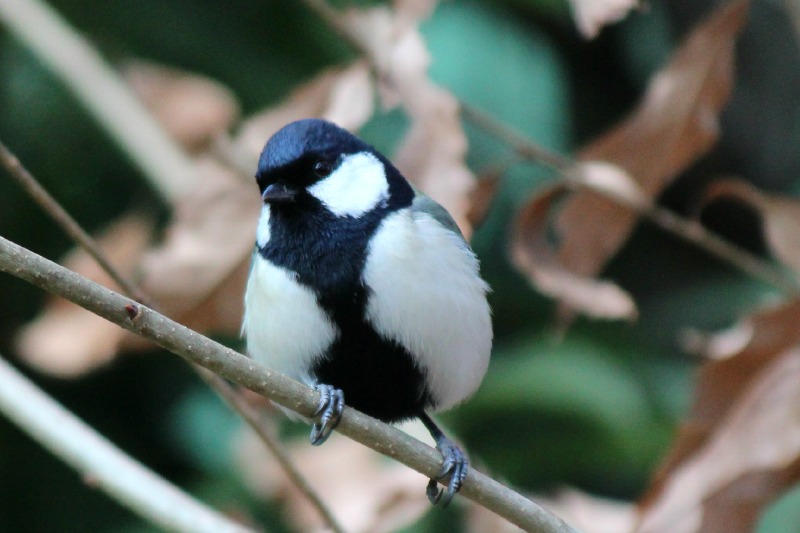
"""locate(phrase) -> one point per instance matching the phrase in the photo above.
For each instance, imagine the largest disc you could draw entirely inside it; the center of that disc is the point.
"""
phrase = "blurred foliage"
(596, 410)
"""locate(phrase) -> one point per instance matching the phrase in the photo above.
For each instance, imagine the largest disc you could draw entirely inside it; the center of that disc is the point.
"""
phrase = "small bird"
(363, 288)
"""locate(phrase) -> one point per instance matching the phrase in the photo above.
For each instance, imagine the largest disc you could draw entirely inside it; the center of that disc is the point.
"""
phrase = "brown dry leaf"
(674, 125)
(781, 216)
(365, 491)
(480, 199)
(533, 255)
(741, 445)
(66, 340)
(611, 180)
(480, 520)
(432, 155)
(343, 96)
(197, 275)
(591, 514)
(192, 108)
(592, 15)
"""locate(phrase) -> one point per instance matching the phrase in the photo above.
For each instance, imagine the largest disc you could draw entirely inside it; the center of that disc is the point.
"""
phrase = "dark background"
(597, 410)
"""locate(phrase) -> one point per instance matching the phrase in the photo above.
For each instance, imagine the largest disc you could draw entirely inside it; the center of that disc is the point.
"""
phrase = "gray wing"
(423, 204)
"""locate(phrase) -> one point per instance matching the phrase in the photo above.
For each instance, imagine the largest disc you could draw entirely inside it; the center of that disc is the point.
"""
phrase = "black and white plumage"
(362, 287)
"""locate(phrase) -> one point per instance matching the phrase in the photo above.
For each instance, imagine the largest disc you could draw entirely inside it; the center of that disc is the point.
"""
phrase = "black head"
(315, 162)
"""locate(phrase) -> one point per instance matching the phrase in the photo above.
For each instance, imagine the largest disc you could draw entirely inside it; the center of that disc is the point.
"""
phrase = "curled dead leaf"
(752, 455)
(611, 180)
(432, 155)
(781, 216)
(198, 273)
(480, 199)
(718, 345)
(533, 254)
(676, 123)
(737, 451)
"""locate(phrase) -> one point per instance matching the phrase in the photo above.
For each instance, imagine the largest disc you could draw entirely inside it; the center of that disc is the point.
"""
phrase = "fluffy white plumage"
(426, 294)
(285, 326)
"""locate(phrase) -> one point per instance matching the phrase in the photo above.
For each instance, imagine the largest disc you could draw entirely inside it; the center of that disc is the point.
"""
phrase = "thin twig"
(665, 219)
(63, 219)
(246, 372)
(232, 397)
(697, 234)
(520, 144)
(102, 464)
(685, 229)
(239, 403)
(101, 91)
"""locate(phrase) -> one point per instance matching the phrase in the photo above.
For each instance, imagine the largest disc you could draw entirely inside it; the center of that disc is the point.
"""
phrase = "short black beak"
(278, 193)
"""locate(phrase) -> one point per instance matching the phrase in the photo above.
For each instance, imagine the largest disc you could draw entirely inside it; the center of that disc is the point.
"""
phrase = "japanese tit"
(363, 288)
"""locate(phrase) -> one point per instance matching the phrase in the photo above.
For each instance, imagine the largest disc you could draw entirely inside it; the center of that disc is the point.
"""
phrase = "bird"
(364, 289)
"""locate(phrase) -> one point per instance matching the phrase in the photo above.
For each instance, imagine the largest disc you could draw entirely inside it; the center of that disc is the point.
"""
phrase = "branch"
(102, 464)
(520, 144)
(686, 229)
(63, 219)
(570, 170)
(231, 396)
(233, 366)
(102, 93)
(239, 403)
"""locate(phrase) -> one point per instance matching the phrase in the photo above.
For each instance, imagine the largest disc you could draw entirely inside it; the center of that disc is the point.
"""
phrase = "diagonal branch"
(101, 463)
(570, 170)
(62, 218)
(231, 396)
(192, 346)
(250, 414)
(686, 229)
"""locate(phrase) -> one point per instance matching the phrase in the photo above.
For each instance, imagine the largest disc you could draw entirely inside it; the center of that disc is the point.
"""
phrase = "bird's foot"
(329, 410)
(455, 464)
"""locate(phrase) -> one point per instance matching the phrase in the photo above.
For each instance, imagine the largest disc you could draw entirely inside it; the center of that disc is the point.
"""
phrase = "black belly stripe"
(378, 376)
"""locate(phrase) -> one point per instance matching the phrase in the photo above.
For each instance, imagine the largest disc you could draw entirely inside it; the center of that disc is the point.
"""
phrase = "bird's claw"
(455, 464)
(331, 405)
(433, 492)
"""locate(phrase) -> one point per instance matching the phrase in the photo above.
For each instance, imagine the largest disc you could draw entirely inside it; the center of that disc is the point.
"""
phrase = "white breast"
(285, 327)
(427, 295)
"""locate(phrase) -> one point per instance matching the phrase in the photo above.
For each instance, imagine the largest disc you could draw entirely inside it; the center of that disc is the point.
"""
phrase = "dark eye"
(322, 168)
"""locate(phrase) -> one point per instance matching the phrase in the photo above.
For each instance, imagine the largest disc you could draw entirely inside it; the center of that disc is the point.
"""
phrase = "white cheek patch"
(356, 186)
(262, 230)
